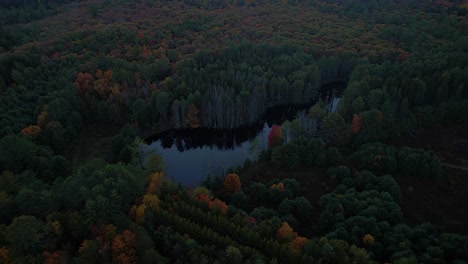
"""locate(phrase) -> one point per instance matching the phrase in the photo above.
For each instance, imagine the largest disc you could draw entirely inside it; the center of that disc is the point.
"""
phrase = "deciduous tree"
(275, 138)
(232, 184)
(123, 248)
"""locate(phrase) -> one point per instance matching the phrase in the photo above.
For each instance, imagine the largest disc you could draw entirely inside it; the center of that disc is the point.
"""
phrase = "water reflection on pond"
(191, 154)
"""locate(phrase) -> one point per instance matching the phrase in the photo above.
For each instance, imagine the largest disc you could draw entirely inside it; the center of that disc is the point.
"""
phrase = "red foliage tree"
(275, 137)
(83, 81)
(356, 123)
(217, 204)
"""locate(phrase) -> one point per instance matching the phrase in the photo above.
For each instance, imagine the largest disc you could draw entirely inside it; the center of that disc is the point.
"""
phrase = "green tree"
(16, 153)
(155, 163)
(25, 235)
(334, 130)
(233, 255)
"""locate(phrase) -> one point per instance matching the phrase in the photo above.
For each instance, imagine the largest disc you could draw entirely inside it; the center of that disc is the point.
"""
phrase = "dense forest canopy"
(82, 82)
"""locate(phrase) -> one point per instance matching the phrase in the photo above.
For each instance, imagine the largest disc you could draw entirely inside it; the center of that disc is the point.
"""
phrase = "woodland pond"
(192, 154)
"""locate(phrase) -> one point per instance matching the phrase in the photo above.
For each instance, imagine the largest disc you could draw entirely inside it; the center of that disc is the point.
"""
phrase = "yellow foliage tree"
(140, 213)
(151, 200)
(42, 118)
(368, 240)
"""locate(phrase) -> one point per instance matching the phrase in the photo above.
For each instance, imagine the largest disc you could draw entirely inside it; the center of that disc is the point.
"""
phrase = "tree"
(140, 113)
(356, 123)
(193, 119)
(32, 132)
(123, 248)
(151, 200)
(368, 240)
(358, 105)
(155, 163)
(5, 256)
(25, 235)
(372, 127)
(275, 138)
(286, 156)
(317, 111)
(285, 233)
(334, 130)
(219, 206)
(88, 251)
(298, 243)
(232, 184)
(202, 190)
(16, 153)
(233, 255)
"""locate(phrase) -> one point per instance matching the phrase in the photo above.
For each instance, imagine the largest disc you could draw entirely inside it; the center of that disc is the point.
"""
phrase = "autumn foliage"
(57, 257)
(149, 200)
(275, 137)
(298, 243)
(219, 205)
(232, 184)
(285, 233)
(4, 256)
(123, 248)
(368, 240)
(279, 186)
(32, 131)
(356, 123)
(215, 204)
(155, 180)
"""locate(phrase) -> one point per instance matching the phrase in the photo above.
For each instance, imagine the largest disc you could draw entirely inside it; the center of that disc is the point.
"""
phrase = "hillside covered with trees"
(379, 178)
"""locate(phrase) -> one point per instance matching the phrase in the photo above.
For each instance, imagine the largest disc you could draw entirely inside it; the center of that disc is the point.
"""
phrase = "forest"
(382, 177)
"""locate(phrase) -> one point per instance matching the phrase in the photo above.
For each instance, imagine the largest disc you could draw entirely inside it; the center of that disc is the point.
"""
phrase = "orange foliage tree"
(31, 131)
(285, 233)
(232, 183)
(4, 256)
(155, 180)
(123, 248)
(279, 186)
(298, 243)
(57, 257)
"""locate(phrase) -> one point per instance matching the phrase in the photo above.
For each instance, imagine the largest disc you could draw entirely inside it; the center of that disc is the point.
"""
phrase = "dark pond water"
(190, 155)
